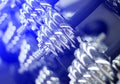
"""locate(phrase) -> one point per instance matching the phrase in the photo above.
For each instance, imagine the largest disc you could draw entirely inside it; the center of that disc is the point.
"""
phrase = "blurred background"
(44, 41)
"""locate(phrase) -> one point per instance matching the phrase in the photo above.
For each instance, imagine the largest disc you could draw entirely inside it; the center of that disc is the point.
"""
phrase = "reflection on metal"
(34, 29)
(92, 67)
(51, 33)
(46, 77)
